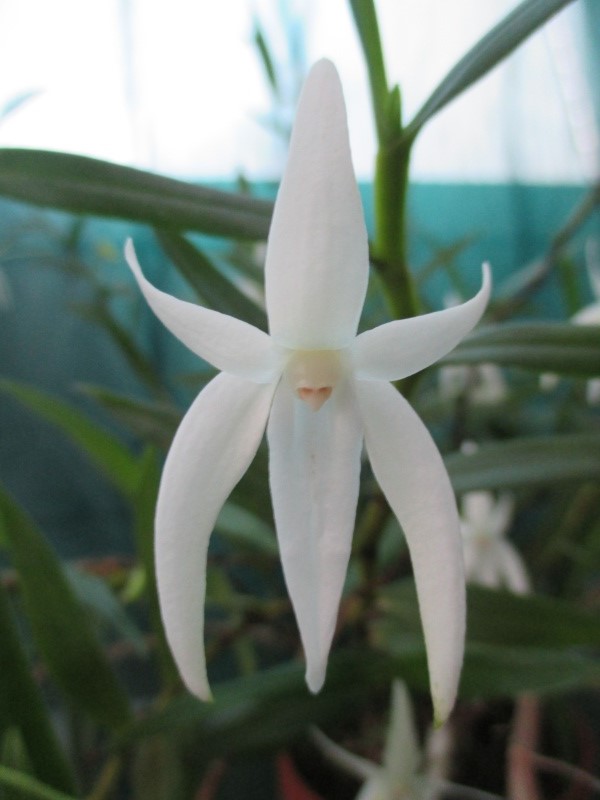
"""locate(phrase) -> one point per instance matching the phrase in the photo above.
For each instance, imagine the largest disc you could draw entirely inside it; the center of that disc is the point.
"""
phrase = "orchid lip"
(313, 375)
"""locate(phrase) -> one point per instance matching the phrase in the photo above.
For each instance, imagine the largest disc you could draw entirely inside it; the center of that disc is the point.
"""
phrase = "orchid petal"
(225, 342)
(405, 346)
(402, 754)
(212, 449)
(316, 268)
(411, 473)
(314, 472)
(510, 564)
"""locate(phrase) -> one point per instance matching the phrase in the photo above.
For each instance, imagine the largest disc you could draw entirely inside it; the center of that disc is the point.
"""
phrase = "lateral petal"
(405, 346)
(317, 259)
(225, 342)
(314, 467)
(212, 449)
(411, 473)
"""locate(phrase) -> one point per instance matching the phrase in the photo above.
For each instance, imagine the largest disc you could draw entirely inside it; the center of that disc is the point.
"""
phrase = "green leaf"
(528, 461)
(514, 643)
(498, 617)
(215, 290)
(546, 347)
(21, 705)
(100, 602)
(59, 624)
(273, 708)
(103, 449)
(266, 58)
(30, 787)
(89, 186)
(245, 529)
(484, 56)
(155, 423)
(142, 367)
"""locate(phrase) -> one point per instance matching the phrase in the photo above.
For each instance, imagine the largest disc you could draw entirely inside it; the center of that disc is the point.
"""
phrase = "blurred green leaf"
(88, 186)
(266, 58)
(514, 29)
(30, 787)
(59, 624)
(21, 705)
(104, 449)
(100, 602)
(155, 423)
(142, 367)
(215, 290)
(528, 461)
(543, 346)
(245, 529)
(502, 618)
(514, 643)
(270, 709)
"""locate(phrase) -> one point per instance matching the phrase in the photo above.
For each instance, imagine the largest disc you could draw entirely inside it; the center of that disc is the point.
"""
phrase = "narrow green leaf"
(141, 366)
(546, 347)
(502, 618)
(514, 643)
(89, 186)
(104, 449)
(59, 624)
(505, 37)
(205, 278)
(154, 423)
(100, 602)
(22, 705)
(528, 461)
(30, 787)
(365, 19)
(266, 58)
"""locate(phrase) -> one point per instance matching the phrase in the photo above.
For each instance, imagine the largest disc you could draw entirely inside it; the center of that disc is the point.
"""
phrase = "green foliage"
(59, 624)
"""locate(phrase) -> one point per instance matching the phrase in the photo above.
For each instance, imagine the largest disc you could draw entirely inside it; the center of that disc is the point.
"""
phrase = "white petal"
(314, 472)
(354, 765)
(589, 315)
(317, 253)
(225, 342)
(512, 568)
(405, 346)
(212, 449)
(477, 508)
(411, 473)
(402, 755)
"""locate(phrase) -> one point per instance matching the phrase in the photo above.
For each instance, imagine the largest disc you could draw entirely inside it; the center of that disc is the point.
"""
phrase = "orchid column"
(319, 390)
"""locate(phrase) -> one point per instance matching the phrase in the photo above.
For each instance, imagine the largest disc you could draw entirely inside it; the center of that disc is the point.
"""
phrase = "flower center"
(312, 374)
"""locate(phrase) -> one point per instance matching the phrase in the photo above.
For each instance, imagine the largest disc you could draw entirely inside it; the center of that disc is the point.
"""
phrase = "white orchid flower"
(400, 775)
(319, 390)
(490, 558)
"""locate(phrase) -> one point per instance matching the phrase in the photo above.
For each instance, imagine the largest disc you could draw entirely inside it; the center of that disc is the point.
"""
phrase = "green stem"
(390, 245)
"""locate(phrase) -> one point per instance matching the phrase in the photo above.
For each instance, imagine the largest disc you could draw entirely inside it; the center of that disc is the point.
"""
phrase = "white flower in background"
(400, 776)
(484, 384)
(490, 558)
(319, 390)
